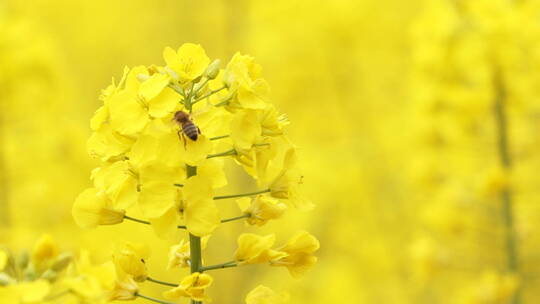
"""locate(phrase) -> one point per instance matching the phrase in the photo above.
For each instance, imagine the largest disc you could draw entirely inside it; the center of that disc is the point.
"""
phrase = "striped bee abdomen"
(191, 130)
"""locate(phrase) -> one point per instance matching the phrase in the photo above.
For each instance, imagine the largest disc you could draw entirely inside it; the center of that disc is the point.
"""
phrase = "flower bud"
(213, 69)
(5, 279)
(23, 260)
(49, 275)
(142, 77)
(62, 261)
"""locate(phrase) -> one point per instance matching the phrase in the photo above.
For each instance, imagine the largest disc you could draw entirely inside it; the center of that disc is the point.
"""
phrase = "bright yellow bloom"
(144, 97)
(188, 63)
(255, 249)
(192, 286)
(200, 212)
(92, 209)
(272, 123)
(158, 191)
(245, 129)
(124, 290)
(118, 182)
(264, 295)
(158, 142)
(130, 259)
(299, 253)
(287, 185)
(106, 144)
(243, 76)
(213, 169)
(261, 209)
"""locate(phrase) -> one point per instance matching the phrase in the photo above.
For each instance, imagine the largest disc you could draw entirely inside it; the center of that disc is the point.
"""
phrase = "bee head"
(181, 117)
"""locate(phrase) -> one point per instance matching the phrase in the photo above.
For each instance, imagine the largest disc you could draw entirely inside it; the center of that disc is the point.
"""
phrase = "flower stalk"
(220, 266)
(506, 194)
(241, 194)
(153, 299)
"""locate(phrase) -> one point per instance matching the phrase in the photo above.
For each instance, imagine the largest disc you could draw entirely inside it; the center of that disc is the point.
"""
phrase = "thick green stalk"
(194, 241)
(512, 260)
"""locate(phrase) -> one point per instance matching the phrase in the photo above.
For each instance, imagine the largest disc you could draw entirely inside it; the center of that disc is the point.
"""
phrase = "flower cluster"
(162, 135)
(473, 105)
(46, 275)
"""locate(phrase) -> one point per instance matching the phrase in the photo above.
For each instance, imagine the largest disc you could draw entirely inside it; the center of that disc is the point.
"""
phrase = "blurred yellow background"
(391, 104)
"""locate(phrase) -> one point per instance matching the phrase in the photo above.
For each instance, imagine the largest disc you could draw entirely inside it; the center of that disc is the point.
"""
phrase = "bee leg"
(199, 130)
(180, 134)
(185, 141)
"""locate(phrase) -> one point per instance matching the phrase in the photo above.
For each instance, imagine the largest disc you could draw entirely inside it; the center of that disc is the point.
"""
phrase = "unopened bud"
(30, 272)
(142, 77)
(49, 275)
(213, 69)
(5, 279)
(23, 260)
(62, 261)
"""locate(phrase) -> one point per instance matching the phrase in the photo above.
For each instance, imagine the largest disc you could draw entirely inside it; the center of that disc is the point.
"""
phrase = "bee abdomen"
(190, 130)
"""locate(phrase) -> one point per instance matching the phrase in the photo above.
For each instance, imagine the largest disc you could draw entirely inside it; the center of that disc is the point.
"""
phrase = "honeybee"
(187, 127)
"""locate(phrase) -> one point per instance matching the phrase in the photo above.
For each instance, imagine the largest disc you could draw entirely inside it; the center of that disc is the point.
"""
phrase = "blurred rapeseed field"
(411, 127)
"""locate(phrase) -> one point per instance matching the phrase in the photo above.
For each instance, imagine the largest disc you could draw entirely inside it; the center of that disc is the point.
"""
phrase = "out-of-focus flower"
(264, 295)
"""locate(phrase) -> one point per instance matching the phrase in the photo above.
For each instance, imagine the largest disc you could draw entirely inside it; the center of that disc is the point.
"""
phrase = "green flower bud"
(213, 69)
(5, 279)
(49, 275)
(62, 261)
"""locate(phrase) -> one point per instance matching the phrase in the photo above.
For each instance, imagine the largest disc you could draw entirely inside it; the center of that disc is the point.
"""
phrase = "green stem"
(161, 282)
(208, 94)
(194, 241)
(219, 137)
(506, 194)
(243, 216)
(146, 222)
(177, 90)
(226, 153)
(153, 299)
(241, 195)
(220, 266)
(136, 220)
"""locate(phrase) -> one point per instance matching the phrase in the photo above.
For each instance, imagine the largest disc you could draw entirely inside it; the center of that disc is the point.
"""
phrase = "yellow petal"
(165, 226)
(193, 61)
(153, 86)
(196, 151)
(200, 211)
(254, 249)
(245, 129)
(99, 118)
(90, 210)
(128, 116)
(106, 144)
(156, 198)
(213, 170)
(164, 103)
